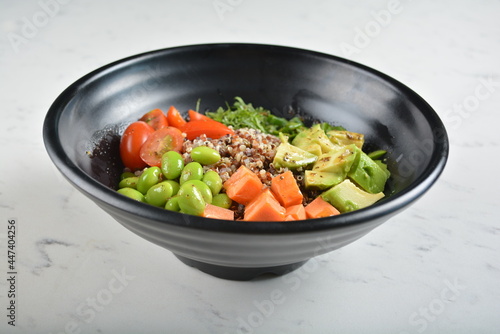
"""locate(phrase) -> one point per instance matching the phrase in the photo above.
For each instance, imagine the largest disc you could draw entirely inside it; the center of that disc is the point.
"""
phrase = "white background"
(432, 269)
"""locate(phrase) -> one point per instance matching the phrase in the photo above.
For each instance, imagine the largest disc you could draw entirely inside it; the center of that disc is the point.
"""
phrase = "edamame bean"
(201, 186)
(191, 201)
(148, 178)
(173, 204)
(132, 193)
(205, 155)
(192, 171)
(172, 165)
(129, 182)
(213, 181)
(158, 194)
(125, 175)
(175, 186)
(222, 200)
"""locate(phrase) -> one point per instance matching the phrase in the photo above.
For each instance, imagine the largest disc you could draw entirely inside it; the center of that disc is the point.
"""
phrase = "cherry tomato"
(161, 141)
(212, 129)
(156, 118)
(174, 118)
(131, 142)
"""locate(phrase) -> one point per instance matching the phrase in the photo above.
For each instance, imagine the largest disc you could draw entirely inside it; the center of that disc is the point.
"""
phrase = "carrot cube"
(320, 208)
(286, 189)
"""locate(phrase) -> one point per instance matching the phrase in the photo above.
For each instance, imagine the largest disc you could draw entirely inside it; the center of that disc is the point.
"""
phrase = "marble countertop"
(435, 268)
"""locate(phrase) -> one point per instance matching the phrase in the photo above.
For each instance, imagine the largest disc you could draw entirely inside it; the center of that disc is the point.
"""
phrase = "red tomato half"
(156, 118)
(131, 142)
(161, 141)
(175, 118)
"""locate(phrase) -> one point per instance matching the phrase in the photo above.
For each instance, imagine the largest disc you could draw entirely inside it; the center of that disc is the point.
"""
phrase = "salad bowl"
(82, 132)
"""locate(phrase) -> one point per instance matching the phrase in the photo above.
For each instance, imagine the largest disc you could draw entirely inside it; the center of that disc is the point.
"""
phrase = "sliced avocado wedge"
(343, 138)
(383, 166)
(321, 180)
(292, 157)
(338, 160)
(313, 140)
(367, 173)
(346, 197)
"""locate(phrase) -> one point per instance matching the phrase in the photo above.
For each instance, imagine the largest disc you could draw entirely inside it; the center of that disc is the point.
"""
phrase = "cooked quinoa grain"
(249, 147)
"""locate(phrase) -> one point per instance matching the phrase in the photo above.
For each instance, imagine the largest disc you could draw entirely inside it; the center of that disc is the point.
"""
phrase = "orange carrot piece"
(213, 211)
(243, 186)
(320, 208)
(286, 189)
(265, 208)
(295, 212)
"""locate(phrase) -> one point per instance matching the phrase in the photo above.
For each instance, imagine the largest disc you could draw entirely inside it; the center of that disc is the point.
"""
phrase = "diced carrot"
(320, 208)
(240, 172)
(213, 211)
(264, 208)
(175, 118)
(295, 212)
(243, 186)
(286, 189)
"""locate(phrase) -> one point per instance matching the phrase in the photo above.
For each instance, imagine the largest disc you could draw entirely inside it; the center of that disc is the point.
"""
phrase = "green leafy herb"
(245, 115)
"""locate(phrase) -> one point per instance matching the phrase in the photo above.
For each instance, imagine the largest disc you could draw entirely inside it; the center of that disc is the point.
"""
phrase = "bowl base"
(240, 274)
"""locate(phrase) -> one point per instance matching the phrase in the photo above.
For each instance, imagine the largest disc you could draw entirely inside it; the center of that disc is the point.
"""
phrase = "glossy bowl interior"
(83, 126)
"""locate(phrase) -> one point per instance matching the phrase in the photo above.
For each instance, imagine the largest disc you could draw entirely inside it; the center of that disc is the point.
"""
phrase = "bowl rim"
(109, 197)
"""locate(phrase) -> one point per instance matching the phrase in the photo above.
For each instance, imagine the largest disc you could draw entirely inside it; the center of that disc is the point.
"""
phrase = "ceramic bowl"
(82, 132)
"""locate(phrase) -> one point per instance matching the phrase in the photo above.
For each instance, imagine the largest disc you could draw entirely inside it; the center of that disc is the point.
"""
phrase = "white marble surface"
(435, 268)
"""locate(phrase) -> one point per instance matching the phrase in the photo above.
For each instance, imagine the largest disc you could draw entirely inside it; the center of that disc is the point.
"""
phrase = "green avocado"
(367, 173)
(292, 157)
(313, 140)
(338, 160)
(344, 138)
(346, 197)
(321, 180)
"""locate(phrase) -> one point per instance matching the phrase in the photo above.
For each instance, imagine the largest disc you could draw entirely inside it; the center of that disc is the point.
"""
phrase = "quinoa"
(249, 147)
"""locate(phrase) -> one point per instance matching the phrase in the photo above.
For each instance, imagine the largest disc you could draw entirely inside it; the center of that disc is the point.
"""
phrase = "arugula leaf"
(245, 115)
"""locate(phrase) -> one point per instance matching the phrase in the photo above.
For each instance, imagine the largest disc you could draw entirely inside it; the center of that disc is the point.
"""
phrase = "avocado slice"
(367, 173)
(313, 140)
(292, 157)
(338, 161)
(321, 180)
(346, 197)
(343, 138)
(383, 166)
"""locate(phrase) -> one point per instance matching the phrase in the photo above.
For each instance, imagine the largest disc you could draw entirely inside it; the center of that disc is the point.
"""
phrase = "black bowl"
(82, 129)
